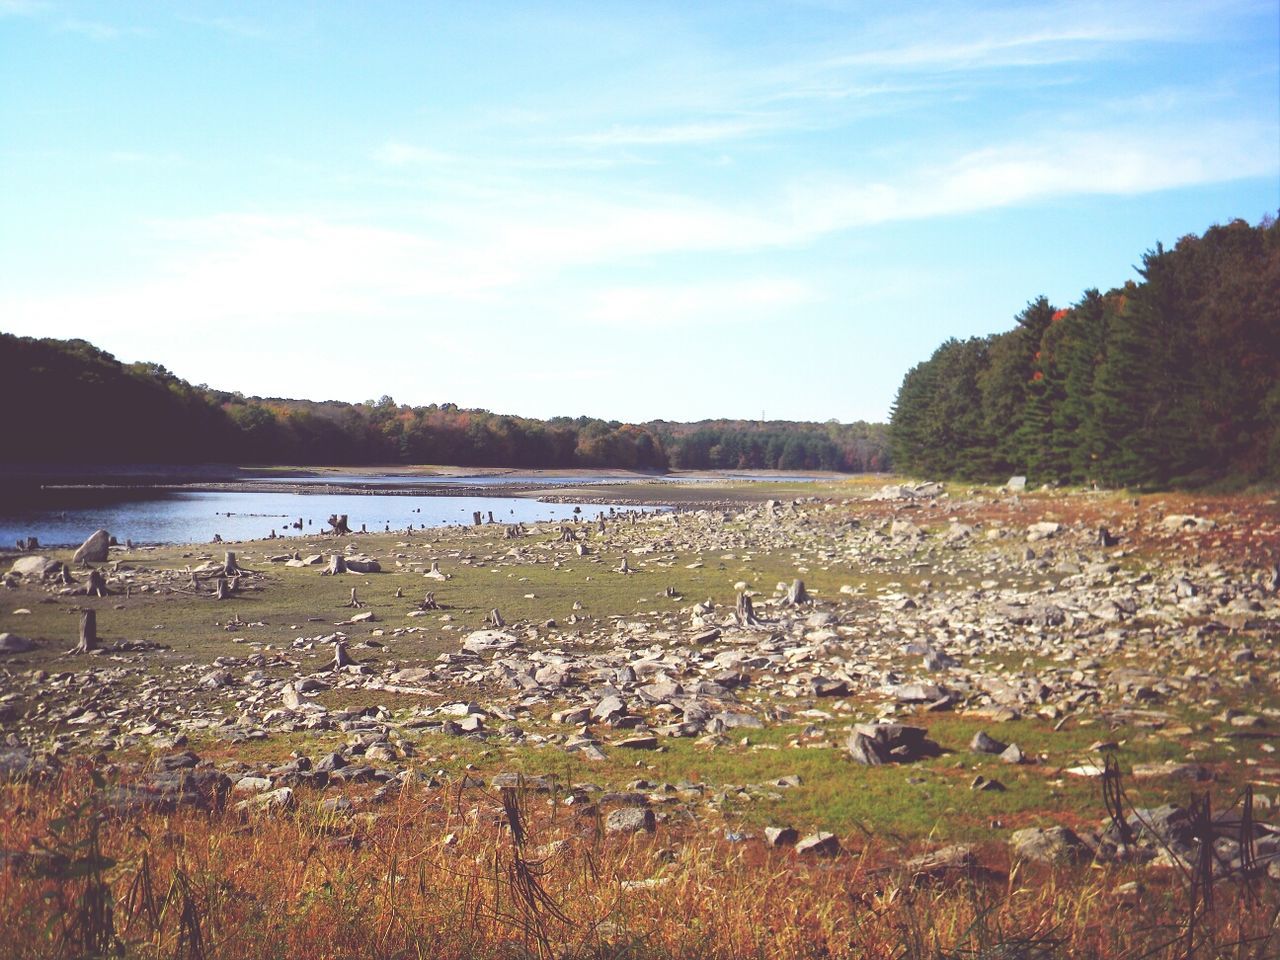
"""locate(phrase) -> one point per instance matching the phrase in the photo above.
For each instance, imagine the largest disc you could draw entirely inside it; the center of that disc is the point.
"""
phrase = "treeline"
(1170, 381)
(74, 403)
(775, 445)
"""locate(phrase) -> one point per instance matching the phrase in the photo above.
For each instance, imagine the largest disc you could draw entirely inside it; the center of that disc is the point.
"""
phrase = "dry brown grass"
(438, 873)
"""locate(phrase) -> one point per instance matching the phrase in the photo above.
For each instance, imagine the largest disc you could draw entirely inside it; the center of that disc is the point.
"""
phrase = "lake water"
(64, 517)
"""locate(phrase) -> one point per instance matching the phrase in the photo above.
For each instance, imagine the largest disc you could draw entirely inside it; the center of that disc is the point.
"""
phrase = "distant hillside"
(78, 404)
(1173, 381)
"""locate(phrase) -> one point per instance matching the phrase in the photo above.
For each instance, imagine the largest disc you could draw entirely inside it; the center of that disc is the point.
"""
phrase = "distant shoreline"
(685, 488)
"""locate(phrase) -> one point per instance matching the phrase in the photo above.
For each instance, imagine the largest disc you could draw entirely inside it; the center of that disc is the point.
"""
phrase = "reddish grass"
(435, 874)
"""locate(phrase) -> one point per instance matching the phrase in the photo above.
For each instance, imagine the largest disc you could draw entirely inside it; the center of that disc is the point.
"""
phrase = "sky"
(633, 210)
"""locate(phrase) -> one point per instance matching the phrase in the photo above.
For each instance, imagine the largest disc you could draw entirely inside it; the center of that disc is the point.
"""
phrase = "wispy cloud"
(96, 30)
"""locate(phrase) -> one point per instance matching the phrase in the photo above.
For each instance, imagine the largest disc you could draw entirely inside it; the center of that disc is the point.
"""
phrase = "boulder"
(1047, 845)
(488, 641)
(35, 566)
(95, 549)
(363, 565)
(630, 820)
(11, 643)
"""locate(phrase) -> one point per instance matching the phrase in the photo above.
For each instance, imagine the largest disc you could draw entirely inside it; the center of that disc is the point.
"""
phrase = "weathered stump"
(745, 612)
(495, 619)
(796, 593)
(338, 524)
(88, 632)
(223, 591)
(229, 566)
(429, 601)
(97, 585)
(624, 567)
(355, 602)
(340, 656)
(337, 565)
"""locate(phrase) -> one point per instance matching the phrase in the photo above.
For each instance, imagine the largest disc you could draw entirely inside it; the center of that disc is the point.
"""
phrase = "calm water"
(66, 517)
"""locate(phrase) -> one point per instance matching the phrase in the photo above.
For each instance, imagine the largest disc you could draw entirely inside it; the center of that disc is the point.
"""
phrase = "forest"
(81, 405)
(1172, 380)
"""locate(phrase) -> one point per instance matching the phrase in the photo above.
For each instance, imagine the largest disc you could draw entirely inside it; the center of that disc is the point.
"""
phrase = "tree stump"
(495, 619)
(64, 576)
(399, 593)
(624, 567)
(229, 566)
(434, 573)
(745, 612)
(796, 593)
(338, 524)
(88, 632)
(337, 565)
(340, 656)
(97, 585)
(429, 601)
(223, 591)
(355, 601)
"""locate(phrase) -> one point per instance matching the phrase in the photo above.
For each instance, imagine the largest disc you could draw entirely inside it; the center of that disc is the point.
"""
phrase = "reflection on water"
(65, 517)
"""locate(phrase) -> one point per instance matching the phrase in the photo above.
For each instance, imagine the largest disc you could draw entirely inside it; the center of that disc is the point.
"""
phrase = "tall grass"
(440, 874)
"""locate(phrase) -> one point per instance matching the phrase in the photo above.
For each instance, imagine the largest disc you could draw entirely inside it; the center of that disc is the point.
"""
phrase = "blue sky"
(631, 210)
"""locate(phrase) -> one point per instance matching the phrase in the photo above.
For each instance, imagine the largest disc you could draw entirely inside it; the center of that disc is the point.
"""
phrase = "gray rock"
(11, 643)
(1013, 754)
(20, 764)
(488, 641)
(609, 709)
(630, 820)
(865, 750)
(819, 844)
(278, 800)
(957, 858)
(95, 549)
(638, 743)
(35, 566)
(1047, 845)
(982, 742)
(781, 836)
